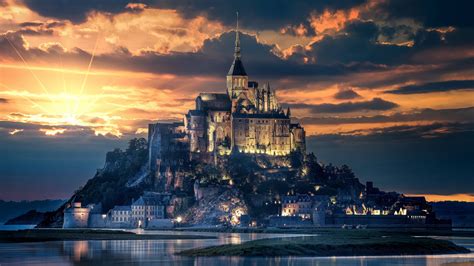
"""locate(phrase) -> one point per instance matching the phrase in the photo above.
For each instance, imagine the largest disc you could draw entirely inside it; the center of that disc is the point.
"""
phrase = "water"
(152, 252)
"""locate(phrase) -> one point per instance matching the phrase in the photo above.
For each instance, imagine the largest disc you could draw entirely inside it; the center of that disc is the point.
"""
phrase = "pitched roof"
(122, 208)
(213, 102)
(152, 199)
(237, 68)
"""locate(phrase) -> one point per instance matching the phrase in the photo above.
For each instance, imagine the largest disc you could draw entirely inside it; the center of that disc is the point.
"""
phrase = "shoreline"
(41, 235)
(325, 231)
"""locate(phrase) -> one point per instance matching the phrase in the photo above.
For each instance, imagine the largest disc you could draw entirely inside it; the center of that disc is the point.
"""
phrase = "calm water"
(153, 252)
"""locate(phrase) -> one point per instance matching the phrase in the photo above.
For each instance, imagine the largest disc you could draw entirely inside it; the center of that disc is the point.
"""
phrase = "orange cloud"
(332, 21)
(151, 29)
(452, 197)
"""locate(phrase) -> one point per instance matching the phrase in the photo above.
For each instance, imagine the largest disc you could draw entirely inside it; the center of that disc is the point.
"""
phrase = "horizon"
(386, 91)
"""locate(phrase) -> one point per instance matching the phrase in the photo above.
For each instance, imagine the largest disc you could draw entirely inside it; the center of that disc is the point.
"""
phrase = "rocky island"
(238, 159)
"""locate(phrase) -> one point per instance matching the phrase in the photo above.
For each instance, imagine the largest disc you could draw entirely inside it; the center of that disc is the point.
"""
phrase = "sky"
(385, 86)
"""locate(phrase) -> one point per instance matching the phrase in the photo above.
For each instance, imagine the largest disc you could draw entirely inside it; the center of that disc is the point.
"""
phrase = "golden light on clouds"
(73, 91)
(332, 20)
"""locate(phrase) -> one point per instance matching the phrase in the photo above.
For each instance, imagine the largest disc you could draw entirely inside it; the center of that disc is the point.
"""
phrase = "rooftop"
(237, 68)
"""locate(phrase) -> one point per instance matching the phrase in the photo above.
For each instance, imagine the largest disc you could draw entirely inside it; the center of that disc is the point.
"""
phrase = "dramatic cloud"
(346, 94)
(444, 115)
(377, 104)
(259, 15)
(74, 10)
(431, 158)
(80, 73)
(357, 44)
(435, 87)
(432, 13)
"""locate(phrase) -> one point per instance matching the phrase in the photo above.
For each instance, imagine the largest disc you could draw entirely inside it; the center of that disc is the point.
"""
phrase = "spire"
(237, 39)
(237, 68)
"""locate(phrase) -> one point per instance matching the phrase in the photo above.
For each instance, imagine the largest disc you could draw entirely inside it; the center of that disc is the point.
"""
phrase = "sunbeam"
(29, 69)
(88, 71)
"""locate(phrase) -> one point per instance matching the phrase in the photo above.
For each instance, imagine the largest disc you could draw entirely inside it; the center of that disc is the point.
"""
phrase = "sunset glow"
(362, 69)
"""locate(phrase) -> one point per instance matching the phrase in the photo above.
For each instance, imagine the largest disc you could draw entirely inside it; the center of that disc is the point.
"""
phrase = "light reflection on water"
(148, 252)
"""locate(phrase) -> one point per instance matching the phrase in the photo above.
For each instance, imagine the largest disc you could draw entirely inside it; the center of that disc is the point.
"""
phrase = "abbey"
(246, 118)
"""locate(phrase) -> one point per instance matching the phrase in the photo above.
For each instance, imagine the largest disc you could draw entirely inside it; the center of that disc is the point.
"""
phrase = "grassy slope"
(343, 243)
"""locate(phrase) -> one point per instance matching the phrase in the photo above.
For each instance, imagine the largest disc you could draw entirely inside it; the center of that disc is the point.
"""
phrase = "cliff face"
(111, 184)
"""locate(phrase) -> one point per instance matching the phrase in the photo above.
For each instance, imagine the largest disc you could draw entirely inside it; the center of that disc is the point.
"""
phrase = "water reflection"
(147, 252)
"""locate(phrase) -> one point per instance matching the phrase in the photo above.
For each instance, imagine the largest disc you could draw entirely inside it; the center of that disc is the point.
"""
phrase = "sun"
(65, 100)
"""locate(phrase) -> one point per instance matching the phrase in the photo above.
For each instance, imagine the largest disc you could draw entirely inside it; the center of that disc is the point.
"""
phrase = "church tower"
(237, 79)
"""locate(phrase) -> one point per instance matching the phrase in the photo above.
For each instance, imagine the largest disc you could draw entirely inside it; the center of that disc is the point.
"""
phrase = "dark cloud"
(3, 100)
(31, 24)
(460, 115)
(358, 44)
(75, 10)
(431, 13)
(354, 50)
(434, 87)
(346, 94)
(265, 14)
(432, 159)
(214, 59)
(216, 56)
(376, 104)
(258, 14)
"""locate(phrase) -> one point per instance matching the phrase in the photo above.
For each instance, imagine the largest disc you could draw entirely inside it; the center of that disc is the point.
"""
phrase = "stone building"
(304, 206)
(120, 216)
(151, 206)
(246, 118)
(78, 216)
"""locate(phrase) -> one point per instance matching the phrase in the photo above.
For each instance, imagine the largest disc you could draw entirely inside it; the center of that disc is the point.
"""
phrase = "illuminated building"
(303, 205)
(246, 118)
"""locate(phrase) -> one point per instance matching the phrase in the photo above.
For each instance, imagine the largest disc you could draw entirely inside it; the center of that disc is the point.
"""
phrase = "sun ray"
(88, 71)
(29, 69)
(28, 99)
(65, 90)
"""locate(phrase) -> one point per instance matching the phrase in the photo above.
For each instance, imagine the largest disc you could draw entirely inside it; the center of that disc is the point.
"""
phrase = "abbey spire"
(237, 39)
(237, 79)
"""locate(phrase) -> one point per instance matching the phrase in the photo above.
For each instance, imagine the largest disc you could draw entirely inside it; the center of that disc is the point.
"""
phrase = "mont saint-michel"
(237, 159)
(243, 132)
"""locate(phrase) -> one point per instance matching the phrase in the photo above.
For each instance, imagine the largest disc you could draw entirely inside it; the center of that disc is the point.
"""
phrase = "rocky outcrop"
(224, 206)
